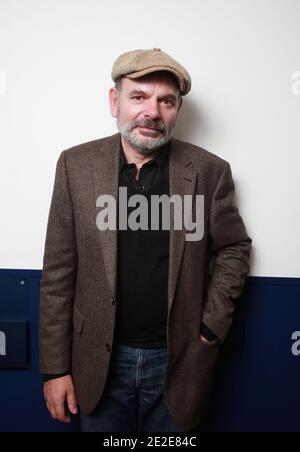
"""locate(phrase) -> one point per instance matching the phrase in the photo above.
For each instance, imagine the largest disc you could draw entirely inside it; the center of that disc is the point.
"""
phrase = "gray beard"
(138, 144)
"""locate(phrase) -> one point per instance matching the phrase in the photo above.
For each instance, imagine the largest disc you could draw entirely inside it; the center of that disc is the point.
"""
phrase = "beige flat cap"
(137, 63)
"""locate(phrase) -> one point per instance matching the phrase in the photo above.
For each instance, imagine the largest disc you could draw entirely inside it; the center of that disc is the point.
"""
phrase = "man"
(131, 319)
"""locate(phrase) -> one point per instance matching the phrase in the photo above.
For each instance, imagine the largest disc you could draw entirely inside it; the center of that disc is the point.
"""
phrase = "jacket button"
(112, 300)
(108, 347)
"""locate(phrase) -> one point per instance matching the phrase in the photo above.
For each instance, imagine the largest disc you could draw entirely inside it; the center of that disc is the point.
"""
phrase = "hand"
(204, 340)
(56, 393)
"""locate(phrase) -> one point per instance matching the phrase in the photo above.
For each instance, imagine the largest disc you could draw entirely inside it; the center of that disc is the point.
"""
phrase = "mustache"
(149, 124)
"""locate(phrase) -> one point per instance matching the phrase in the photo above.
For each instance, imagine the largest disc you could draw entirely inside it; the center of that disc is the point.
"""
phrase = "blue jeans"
(132, 400)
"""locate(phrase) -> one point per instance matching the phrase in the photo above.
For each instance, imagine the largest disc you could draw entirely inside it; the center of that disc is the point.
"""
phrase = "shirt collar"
(161, 159)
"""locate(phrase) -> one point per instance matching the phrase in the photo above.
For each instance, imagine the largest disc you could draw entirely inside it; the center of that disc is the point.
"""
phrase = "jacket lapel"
(106, 181)
(182, 179)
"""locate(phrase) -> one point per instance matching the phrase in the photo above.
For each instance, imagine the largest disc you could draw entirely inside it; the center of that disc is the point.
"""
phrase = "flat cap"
(137, 63)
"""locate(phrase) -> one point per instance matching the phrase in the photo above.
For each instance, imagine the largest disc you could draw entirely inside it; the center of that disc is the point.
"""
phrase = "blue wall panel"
(258, 389)
(257, 377)
(22, 406)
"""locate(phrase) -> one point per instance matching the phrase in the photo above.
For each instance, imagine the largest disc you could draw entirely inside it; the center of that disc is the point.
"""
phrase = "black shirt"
(143, 256)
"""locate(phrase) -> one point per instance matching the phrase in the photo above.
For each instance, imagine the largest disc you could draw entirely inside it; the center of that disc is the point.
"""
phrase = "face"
(146, 110)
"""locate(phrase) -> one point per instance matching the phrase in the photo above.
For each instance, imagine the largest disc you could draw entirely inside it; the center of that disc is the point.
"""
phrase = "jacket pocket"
(78, 320)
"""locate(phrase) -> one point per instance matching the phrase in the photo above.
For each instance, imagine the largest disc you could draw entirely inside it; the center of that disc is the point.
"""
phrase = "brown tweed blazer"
(78, 287)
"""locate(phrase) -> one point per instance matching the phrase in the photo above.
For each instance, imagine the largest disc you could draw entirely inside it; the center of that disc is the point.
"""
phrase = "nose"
(152, 109)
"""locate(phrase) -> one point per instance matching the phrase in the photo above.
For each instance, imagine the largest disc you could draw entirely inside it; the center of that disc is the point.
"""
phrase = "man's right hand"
(57, 393)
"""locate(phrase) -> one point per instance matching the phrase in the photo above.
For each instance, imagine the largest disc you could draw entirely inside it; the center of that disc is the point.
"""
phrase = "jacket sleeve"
(231, 246)
(58, 279)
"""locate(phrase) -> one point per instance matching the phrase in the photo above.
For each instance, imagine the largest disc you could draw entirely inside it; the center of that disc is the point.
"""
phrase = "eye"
(168, 101)
(138, 97)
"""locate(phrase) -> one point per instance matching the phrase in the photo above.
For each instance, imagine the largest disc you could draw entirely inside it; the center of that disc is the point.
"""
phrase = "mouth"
(148, 129)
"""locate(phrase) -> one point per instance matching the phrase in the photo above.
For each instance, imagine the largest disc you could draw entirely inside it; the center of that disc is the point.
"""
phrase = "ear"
(113, 101)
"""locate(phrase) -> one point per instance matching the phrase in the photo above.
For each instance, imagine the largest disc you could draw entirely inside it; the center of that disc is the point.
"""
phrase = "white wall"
(55, 63)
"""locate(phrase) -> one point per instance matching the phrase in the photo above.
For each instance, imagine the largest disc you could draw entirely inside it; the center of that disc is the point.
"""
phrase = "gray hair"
(118, 83)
